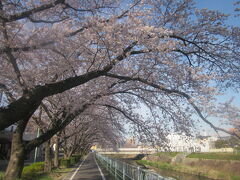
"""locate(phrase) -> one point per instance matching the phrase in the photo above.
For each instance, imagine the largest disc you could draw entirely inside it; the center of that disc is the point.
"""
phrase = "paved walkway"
(87, 170)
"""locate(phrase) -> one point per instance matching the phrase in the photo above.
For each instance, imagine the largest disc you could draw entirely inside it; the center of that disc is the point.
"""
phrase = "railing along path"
(123, 171)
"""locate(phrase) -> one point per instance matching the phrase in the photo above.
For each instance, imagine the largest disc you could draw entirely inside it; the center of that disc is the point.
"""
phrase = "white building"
(183, 143)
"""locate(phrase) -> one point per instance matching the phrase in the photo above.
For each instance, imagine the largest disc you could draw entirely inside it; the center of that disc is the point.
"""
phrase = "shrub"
(73, 160)
(32, 171)
(78, 157)
(65, 163)
(33, 168)
(1, 175)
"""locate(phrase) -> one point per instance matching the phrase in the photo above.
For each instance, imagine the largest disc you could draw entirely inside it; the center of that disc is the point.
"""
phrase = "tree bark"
(30, 101)
(56, 152)
(65, 155)
(70, 152)
(16, 163)
(65, 149)
(47, 161)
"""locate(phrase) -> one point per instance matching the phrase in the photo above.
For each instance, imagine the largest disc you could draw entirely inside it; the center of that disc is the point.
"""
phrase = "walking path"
(87, 170)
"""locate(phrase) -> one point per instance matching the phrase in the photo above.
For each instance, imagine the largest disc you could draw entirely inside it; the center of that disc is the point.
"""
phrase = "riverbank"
(208, 165)
(194, 166)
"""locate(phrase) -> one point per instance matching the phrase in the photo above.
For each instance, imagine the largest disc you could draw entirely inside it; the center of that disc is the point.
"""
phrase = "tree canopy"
(168, 55)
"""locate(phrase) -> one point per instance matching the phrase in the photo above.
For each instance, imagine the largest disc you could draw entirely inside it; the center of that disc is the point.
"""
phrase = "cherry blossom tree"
(90, 39)
(165, 54)
(90, 129)
(53, 116)
(228, 114)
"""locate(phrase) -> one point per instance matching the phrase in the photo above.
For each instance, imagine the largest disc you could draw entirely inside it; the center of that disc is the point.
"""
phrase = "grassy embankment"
(170, 154)
(218, 156)
(212, 165)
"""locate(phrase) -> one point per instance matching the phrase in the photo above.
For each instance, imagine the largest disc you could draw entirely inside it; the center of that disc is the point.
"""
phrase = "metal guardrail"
(123, 171)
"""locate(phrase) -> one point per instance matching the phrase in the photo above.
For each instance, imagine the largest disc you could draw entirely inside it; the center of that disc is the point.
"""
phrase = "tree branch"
(174, 91)
(30, 12)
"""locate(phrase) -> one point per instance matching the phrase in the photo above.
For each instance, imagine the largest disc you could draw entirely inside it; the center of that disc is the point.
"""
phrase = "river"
(179, 176)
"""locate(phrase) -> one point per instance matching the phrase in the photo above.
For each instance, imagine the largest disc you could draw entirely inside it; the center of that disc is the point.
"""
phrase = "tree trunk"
(56, 152)
(16, 162)
(28, 103)
(48, 161)
(69, 152)
(65, 154)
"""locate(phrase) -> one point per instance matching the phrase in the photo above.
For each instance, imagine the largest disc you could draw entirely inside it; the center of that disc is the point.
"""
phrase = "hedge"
(65, 163)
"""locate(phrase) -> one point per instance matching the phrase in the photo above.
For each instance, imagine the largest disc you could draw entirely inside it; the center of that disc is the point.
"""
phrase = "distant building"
(183, 143)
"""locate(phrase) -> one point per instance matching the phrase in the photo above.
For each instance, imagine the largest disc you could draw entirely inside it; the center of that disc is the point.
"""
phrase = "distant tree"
(232, 142)
(94, 126)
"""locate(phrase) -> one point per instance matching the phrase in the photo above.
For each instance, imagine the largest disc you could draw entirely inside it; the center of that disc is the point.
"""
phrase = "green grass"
(39, 176)
(62, 170)
(33, 171)
(170, 154)
(235, 177)
(191, 170)
(219, 156)
(160, 165)
(1, 175)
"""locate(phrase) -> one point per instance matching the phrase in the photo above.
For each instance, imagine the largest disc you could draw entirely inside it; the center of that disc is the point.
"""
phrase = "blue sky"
(226, 6)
